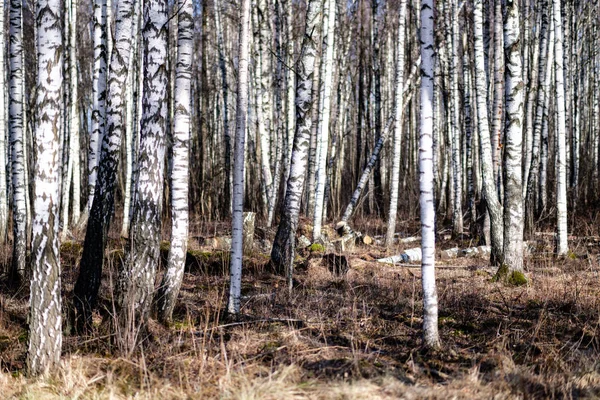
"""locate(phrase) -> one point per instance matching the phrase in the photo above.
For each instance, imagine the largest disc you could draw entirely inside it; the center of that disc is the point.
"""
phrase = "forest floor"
(355, 335)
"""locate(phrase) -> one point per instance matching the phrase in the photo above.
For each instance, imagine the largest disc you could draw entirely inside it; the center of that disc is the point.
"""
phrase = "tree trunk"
(398, 124)
(562, 246)
(45, 320)
(282, 254)
(98, 97)
(90, 266)
(171, 282)
(136, 276)
(513, 214)
(489, 182)
(430, 303)
(235, 287)
(323, 128)
(17, 142)
(3, 147)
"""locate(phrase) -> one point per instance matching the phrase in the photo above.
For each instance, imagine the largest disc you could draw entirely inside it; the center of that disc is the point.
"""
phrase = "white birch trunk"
(17, 142)
(562, 246)
(136, 277)
(398, 124)
(426, 200)
(171, 282)
(3, 131)
(457, 214)
(513, 202)
(282, 254)
(73, 179)
(74, 115)
(488, 179)
(324, 115)
(235, 286)
(98, 97)
(45, 319)
(132, 116)
(88, 281)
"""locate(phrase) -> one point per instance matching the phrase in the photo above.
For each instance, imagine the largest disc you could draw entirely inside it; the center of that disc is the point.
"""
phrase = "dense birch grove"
(480, 118)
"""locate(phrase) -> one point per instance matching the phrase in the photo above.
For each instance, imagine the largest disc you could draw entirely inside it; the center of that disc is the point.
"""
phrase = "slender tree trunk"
(430, 304)
(235, 287)
(17, 143)
(45, 320)
(98, 97)
(398, 124)
(457, 214)
(513, 202)
(364, 178)
(90, 266)
(544, 77)
(498, 109)
(133, 112)
(73, 179)
(225, 92)
(562, 246)
(136, 277)
(282, 254)
(171, 282)
(3, 147)
(323, 128)
(489, 182)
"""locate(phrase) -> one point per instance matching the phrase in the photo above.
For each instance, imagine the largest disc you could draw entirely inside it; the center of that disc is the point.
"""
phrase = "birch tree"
(457, 214)
(90, 266)
(561, 160)
(135, 286)
(282, 254)
(98, 97)
(513, 202)
(73, 179)
(45, 320)
(3, 160)
(489, 183)
(17, 142)
(426, 201)
(323, 127)
(398, 123)
(235, 286)
(171, 282)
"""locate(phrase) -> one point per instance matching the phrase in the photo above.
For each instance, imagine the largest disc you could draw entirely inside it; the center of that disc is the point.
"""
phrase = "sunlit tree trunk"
(73, 176)
(17, 142)
(3, 147)
(513, 203)
(497, 108)
(136, 276)
(457, 215)
(282, 254)
(90, 266)
(544, 78)
(426, 201)
(262, 107)
(133, 112)
(489, 182)
(98, 97)
(171, 282)
(235, 286)
(45, 320)
(562, 246)
(398, 124)
(323, 128)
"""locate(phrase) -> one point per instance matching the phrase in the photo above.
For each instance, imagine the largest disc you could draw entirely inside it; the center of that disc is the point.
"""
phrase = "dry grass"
(350, 337)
